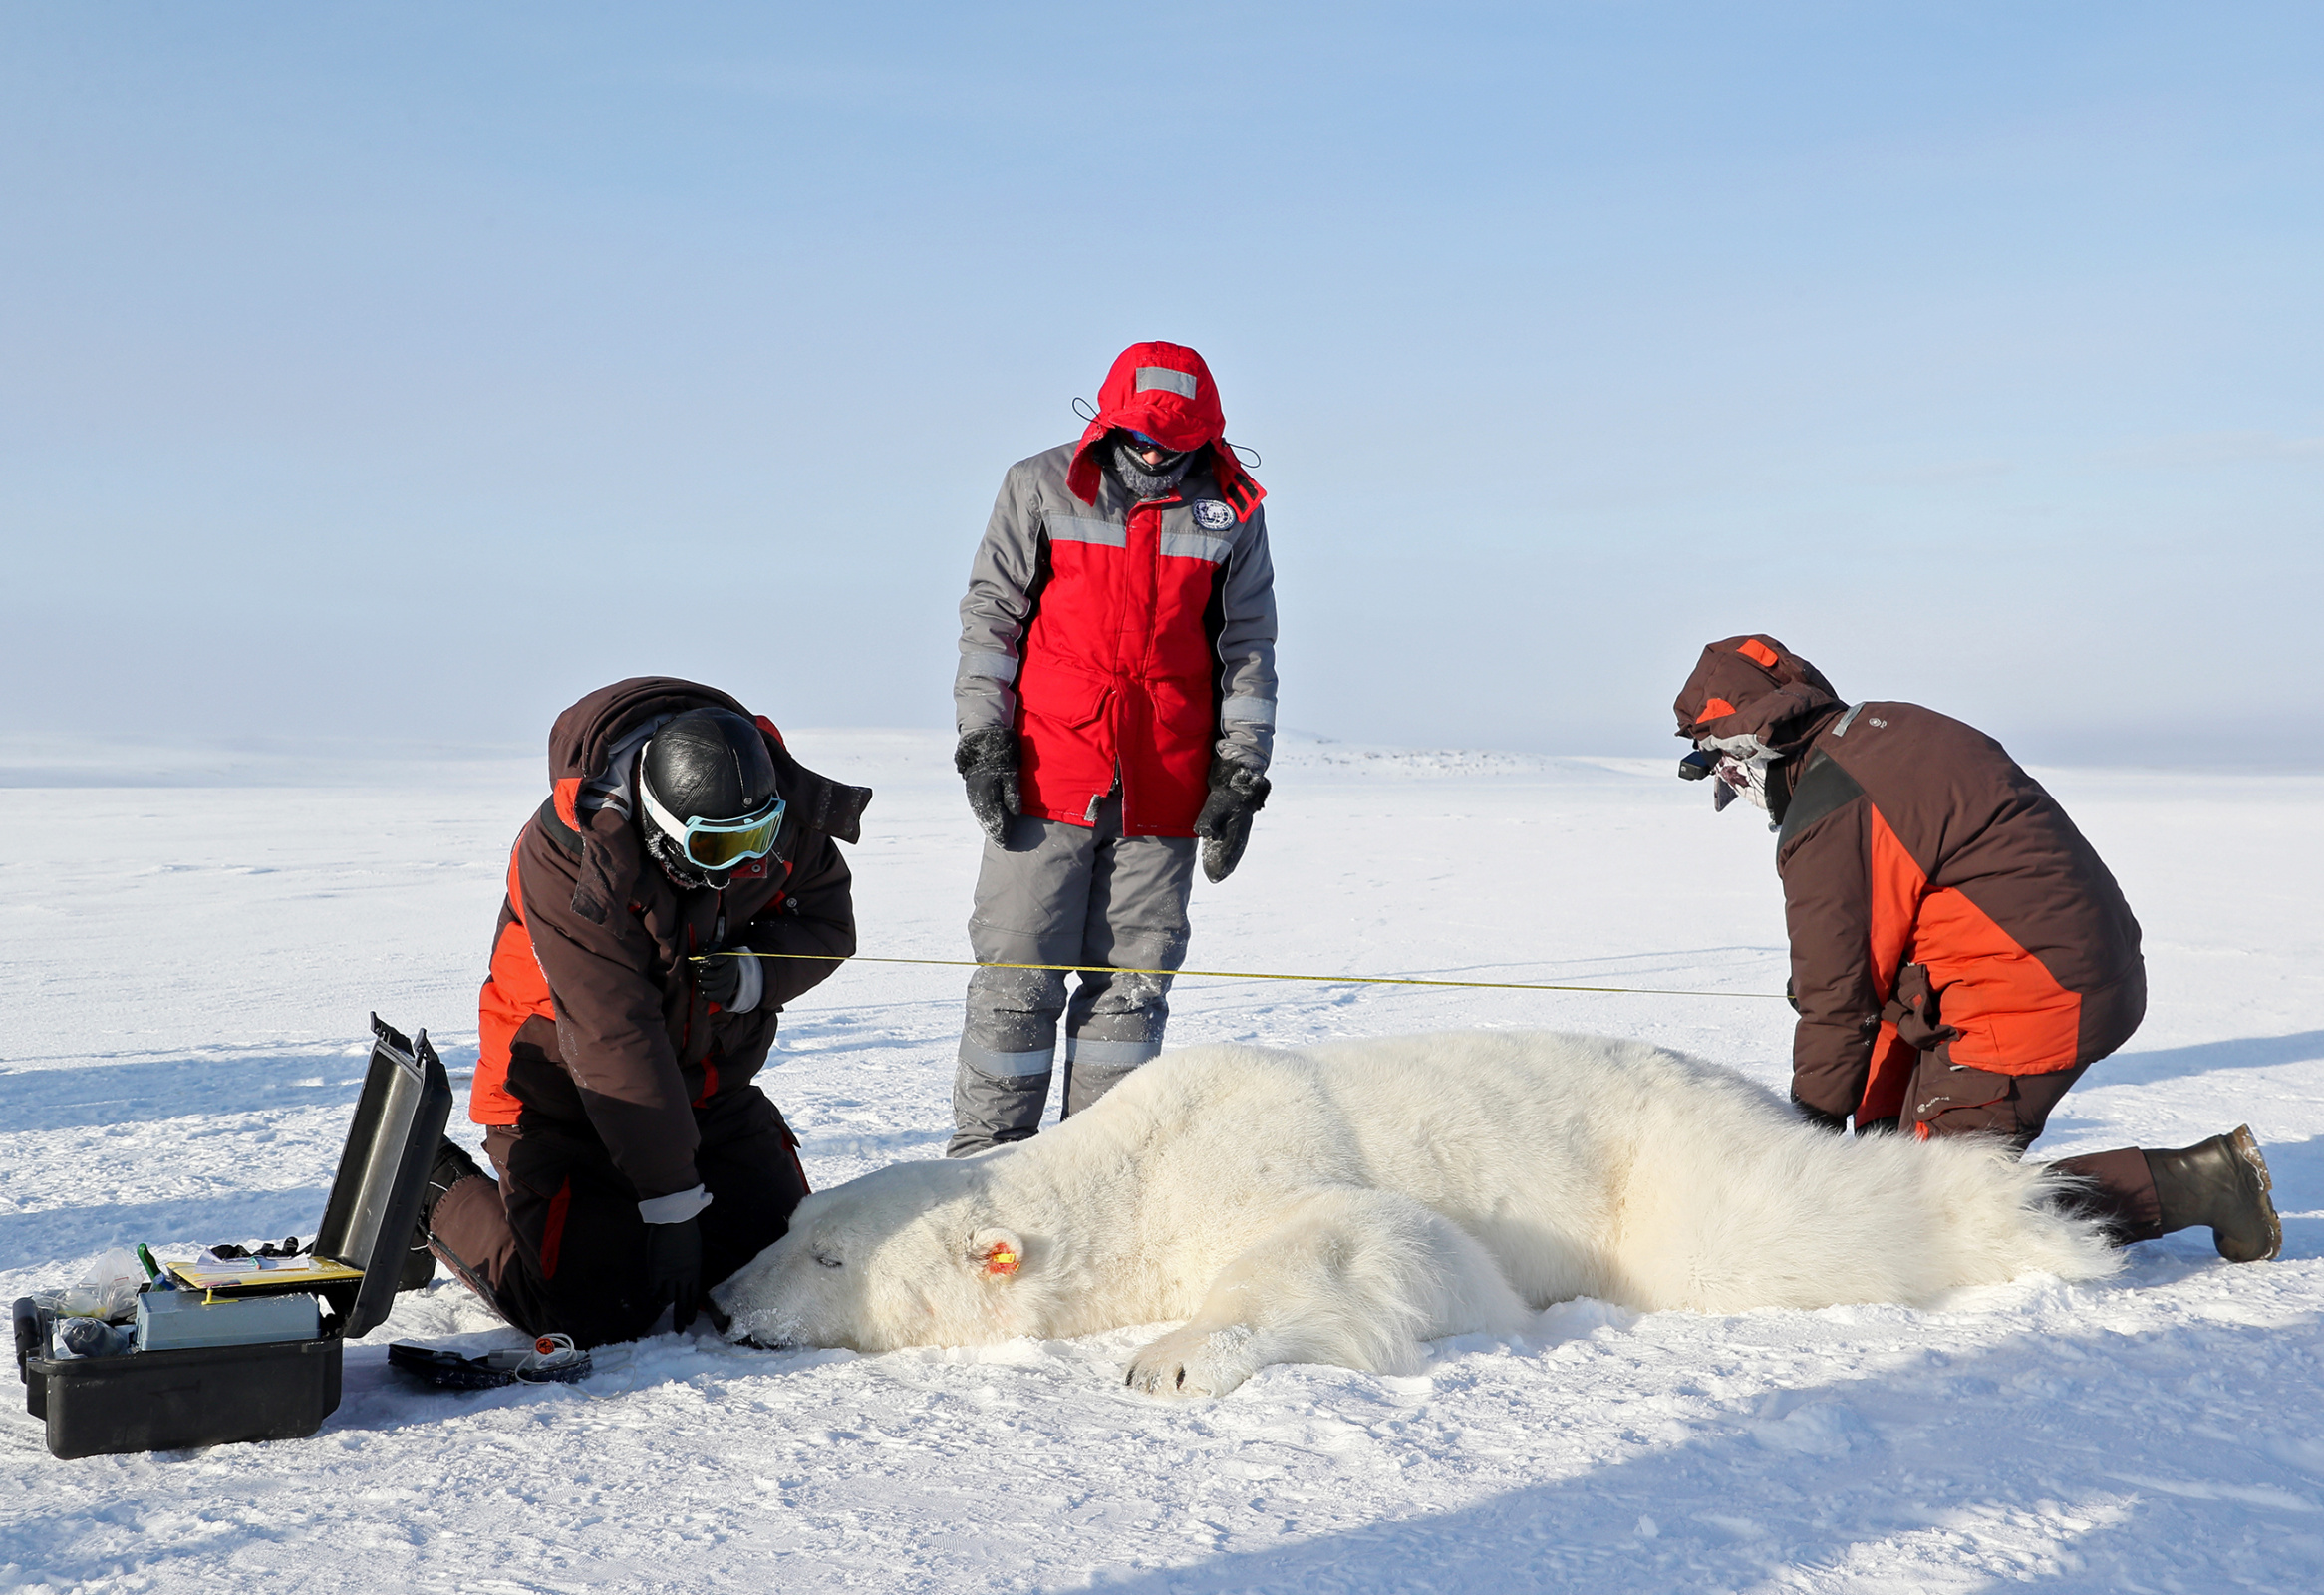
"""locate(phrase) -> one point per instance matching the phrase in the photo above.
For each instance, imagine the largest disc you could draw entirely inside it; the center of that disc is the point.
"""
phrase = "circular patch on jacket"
(1212, 515)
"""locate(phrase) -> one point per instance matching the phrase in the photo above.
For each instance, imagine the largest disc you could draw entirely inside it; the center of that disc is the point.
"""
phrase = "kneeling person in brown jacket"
(638, 1163)
(1960, 954)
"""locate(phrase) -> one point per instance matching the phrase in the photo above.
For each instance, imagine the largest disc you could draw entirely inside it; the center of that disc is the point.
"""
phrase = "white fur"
(1342, 1203)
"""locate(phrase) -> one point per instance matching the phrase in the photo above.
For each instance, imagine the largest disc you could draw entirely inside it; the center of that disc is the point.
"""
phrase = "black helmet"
(707, 796)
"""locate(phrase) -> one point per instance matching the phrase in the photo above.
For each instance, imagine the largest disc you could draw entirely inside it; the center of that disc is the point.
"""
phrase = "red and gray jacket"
(1937, 897)
(591, 1018)
(1121, 635)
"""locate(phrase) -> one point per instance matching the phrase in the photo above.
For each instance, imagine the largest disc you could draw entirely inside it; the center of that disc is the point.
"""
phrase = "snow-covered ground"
(185, 974)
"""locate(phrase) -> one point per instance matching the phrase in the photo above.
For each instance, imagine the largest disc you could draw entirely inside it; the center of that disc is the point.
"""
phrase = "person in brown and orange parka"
(638, 1161)
(1959, 953)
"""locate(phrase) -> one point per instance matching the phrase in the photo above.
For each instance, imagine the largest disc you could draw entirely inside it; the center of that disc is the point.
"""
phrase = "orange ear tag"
(1001, 1260)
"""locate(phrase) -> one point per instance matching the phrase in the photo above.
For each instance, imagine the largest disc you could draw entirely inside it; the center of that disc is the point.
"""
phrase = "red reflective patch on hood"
(1758, 653)
(1714, 709)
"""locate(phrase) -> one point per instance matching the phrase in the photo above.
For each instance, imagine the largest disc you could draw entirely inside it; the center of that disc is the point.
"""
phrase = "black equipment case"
(278, 1390)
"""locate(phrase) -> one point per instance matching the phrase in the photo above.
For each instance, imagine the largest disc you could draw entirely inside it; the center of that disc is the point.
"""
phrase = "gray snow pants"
(1065, 894)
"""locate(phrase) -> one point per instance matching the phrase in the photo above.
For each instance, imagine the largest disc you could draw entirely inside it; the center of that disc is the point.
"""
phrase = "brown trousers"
(1950, 1099)
(556, 1245)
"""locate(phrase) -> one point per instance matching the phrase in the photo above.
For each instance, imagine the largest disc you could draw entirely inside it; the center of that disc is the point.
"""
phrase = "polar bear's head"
(905, 1256)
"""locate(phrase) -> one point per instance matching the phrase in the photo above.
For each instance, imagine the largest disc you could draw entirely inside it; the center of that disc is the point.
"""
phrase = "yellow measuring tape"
(1254, 974)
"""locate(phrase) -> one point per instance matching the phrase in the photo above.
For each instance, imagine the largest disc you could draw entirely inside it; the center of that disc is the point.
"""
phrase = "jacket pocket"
(1064, 697)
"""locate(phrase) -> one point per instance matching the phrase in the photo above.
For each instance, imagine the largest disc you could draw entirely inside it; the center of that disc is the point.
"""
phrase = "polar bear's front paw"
(1196, 1361)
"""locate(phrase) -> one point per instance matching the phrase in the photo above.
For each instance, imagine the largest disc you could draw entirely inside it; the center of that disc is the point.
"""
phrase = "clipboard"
(259, 1276)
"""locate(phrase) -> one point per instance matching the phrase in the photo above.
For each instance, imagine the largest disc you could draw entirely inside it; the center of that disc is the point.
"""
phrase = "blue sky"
(404, 373)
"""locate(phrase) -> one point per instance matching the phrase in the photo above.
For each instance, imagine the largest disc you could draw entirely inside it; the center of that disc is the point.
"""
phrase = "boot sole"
(2245, 1145)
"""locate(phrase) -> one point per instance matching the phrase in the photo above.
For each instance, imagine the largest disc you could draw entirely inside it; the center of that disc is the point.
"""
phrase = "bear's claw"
(1194, 1362)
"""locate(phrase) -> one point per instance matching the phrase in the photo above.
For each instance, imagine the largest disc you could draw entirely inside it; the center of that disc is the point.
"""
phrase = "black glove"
(1237, 792)
(1837, 1124)
(674, 1269)
(718, 979)
(987, 761)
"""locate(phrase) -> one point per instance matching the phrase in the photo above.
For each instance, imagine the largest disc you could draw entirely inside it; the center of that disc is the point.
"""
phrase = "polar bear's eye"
(827, 1260)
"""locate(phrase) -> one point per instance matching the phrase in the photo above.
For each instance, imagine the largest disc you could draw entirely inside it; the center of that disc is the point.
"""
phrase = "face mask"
(1741, 766)
(1742, 777)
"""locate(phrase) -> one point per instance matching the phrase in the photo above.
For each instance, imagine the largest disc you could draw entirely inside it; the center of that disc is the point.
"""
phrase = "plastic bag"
(108, 1291)
(90, 1337)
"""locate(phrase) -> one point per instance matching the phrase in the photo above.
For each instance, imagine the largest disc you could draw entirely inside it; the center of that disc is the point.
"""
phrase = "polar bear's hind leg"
(1355, 1278)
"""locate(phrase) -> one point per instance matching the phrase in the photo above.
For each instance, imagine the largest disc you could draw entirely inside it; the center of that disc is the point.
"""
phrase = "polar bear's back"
(1585, 1165)
(1465, 1112)
(1533, 1141)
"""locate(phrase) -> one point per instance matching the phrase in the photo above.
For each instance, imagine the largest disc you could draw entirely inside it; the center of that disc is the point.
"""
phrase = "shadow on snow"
(2177, 1062)
(2042, 1460)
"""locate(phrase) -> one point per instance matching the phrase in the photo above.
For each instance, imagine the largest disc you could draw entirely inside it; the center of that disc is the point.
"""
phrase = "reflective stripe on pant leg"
(990, 1110)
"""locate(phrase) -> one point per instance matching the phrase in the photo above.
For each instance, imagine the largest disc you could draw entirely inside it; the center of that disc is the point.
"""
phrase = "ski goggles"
(718, 843)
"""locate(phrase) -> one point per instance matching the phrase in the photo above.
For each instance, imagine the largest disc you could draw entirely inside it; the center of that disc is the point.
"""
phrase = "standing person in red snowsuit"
(1116, 701)
(1960, 954)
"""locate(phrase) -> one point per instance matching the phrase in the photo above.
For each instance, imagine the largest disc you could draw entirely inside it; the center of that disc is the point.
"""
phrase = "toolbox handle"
(28, 1344)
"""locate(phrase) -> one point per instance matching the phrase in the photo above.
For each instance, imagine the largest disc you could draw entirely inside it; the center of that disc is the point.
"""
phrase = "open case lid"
(383, 1174)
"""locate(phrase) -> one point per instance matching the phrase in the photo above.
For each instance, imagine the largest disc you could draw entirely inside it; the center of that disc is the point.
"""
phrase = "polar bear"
(1342, 1203)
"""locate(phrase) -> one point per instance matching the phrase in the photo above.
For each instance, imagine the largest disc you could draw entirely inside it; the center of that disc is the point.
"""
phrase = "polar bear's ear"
(996, 1253)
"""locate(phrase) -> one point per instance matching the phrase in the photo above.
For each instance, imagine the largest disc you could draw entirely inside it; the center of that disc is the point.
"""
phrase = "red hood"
(1146, 390)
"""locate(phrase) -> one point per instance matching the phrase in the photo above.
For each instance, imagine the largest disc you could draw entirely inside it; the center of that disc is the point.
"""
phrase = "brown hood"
(580, 741)
(592, 800)
(1753, 685)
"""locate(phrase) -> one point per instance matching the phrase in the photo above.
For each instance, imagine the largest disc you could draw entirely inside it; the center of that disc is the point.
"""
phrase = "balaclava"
(1146, 482)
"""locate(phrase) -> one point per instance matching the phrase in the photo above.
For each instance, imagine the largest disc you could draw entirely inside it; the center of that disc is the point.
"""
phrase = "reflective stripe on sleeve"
(1249, 711)
(997, 666)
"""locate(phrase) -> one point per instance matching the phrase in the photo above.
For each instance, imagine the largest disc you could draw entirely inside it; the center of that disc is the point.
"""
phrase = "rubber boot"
(451, 1167)
(2222, 1183)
